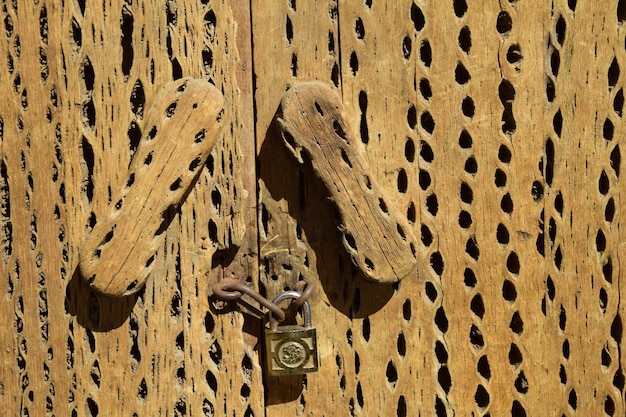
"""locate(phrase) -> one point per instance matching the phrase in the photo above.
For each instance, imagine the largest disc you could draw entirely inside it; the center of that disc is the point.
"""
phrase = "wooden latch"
(181, 128)
(379, 239)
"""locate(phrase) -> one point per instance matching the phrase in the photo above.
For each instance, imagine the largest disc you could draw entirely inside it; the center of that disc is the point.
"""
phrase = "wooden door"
(494, 127)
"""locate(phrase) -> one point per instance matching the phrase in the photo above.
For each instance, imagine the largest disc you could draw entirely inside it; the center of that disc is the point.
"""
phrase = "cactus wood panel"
(493, 127)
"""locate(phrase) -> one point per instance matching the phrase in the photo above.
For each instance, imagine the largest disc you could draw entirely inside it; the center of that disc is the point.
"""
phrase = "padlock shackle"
(291, 295)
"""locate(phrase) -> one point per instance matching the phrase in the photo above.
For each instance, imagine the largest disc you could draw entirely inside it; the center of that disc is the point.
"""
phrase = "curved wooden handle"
(377, 236)
(181, 128)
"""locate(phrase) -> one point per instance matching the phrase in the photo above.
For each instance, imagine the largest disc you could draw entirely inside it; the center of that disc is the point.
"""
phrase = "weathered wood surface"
(494, 127)
(77, 83)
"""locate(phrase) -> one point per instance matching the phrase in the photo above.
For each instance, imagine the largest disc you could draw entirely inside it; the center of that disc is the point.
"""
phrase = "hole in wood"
(402, 181)
(506, 203)
(431, 204)
(516, 325)
(465, 140)
(134, 137)
(621, 10)
(171, 109)
(483, 367)
(471, 248)
(427, 122)
(365, 329)
(127, 40)
(338, 128)
(555, 62)
(288, 30)
(465, 39)
(513, 264)
(461, 75)
(359, 28)
(88, 160)
(176, 184)
(481, 396)
(364, 131)
(471, 166)
(426, 152)
(559, 29)
(349, 239)
(618, 102)
(550, 90)
(515, 355)
(411, 117)
(427, 236)
(216, 199)
(294, 65)
(616, 159)
(426, 53)
(319, 109)
(345, 158)
(417, 17)
(430, 291)
(468, 108)
(466, 193)
(460, 8)
(465, 219)
(476, 338)
(406, 47)
(152, 133)
(406, 309)
(607, 270)
(502, 234)
(514, 54)
(517, 410)
(166, 218)
(608, 129)
(477, 306)
(504, 23)
(504, 154)
(131, 180)
(600, 242)
(444, 378)
(354, 63)
(411, 213)
(409, 150)
(441, 321)
(603, 183)
(401, 232)
(148, 160)
(509, 292)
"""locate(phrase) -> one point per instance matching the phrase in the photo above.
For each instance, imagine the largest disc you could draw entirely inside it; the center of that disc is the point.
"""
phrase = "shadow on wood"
(309, 205)
(96, 311)
(283, 389)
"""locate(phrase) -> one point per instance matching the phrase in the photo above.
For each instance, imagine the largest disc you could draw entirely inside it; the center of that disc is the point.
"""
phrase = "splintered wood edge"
(180, 131)
(379, 239)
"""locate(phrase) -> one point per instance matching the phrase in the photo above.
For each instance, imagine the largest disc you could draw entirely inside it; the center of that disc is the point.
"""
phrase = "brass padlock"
(292, 349)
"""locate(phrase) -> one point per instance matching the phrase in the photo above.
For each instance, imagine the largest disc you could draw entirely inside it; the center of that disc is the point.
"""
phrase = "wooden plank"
(78, 82)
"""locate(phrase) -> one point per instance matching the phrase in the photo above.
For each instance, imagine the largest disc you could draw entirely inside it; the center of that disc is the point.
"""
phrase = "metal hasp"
(291, 349)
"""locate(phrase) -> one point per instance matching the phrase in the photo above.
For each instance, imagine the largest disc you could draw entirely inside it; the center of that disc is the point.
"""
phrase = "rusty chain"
(229, 289)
